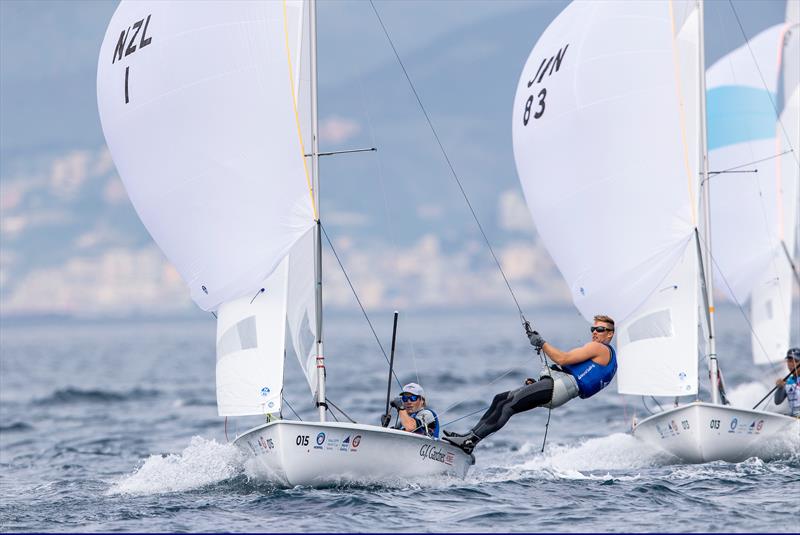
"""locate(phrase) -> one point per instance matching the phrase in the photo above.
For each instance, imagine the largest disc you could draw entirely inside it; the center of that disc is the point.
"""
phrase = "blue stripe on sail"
(737, 114)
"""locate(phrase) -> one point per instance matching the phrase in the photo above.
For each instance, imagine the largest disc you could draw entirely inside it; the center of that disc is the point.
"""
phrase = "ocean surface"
(113, 427)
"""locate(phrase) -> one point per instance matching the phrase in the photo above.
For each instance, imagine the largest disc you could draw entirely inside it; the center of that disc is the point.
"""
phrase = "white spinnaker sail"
(754, 214)
(605, 130)
(197, 110)
(250, 349)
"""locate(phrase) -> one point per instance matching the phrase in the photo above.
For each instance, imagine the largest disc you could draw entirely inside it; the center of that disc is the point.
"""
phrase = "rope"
(390, 226)
(291, 409)
(447, 159)
(738, 304)
(457, 403)
(761, 75)
(363, 311)
(524, 322)
(340, 410)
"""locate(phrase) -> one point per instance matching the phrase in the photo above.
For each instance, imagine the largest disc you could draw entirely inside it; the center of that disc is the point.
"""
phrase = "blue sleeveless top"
(591, 376)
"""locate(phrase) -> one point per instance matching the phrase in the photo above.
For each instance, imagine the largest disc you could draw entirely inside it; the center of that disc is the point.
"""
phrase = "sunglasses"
(411, 397)
(600, 329)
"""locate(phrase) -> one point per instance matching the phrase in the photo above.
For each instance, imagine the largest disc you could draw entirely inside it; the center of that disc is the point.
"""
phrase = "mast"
(711, 342)
(322, 406)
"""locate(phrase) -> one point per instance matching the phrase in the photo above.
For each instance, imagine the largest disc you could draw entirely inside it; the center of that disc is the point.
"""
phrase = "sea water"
(112, 426)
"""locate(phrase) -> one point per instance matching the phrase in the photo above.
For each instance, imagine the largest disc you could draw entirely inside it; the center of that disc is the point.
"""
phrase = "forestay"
(196, 104)
(754, 214)
(606, 137)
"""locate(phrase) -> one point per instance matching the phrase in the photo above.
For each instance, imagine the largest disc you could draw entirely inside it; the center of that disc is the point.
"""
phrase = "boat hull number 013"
(536, 104)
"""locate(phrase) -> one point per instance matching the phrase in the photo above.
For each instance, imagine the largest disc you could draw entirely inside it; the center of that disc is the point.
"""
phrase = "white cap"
(413, 388)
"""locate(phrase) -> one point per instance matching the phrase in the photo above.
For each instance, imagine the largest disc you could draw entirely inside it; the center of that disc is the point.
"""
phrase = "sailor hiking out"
(580, 372)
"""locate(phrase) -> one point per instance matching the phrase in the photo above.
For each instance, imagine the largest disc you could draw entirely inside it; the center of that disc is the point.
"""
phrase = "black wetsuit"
(507, 404)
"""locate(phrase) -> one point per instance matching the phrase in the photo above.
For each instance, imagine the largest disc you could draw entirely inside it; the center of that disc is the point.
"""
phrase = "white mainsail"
(754, 214)
(605, 130)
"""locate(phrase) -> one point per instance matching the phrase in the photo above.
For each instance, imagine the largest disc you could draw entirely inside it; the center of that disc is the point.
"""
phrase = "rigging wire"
(292, 409)
(447, 159)
(386, 212)
(737, 302)
(340, 410)
(490, 383)
(761, 75)
(524, 322)
(715, 173)
(355, 294)
(794, 156)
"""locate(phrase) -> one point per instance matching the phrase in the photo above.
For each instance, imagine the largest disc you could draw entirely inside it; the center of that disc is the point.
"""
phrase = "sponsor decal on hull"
(261, 445)
(745, 428)
(671, 429)
(434, 453)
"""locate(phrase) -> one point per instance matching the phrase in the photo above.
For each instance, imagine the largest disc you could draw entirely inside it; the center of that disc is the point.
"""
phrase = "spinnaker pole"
(322, 406)
(711, 341)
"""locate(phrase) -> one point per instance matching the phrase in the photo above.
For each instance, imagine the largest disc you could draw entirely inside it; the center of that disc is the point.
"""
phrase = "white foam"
(746, 395)
(619, 451)
(201, 463)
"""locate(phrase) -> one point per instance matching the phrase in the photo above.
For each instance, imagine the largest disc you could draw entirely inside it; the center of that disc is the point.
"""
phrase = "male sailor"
(789, 388)
(413, 413)
(582, 372)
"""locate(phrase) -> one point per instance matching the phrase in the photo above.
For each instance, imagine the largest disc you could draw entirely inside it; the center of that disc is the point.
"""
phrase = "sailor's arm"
(592, 350)
(409, 423)
(780, 394)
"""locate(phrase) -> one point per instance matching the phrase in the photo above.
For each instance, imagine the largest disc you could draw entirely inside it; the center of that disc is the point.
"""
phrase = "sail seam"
(296, 114)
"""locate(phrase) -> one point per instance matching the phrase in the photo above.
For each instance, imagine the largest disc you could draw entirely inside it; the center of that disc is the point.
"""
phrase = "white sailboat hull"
(702, 432)
(324, 453)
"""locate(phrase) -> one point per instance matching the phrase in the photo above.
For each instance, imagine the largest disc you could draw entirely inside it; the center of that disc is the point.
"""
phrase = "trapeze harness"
(592, 377)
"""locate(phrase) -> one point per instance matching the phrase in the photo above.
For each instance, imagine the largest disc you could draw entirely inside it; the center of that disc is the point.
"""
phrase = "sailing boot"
(466, 442)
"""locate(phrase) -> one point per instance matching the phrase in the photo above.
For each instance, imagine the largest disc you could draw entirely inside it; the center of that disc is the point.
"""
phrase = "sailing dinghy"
(209, 110)
(609, 137)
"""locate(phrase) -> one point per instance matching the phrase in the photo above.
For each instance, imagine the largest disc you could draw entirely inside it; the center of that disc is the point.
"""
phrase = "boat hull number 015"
(713, 424)
(301, 440)
(536, 104)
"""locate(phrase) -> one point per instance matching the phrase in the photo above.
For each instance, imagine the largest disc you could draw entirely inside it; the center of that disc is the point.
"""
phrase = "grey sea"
(112, 426)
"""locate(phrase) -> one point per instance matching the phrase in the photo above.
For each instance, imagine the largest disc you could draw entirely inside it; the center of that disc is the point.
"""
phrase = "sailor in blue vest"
(583, 372)
(790, 389)
(413, 414)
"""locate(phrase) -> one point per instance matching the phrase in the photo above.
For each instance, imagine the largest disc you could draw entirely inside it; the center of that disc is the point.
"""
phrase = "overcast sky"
(71, 242)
